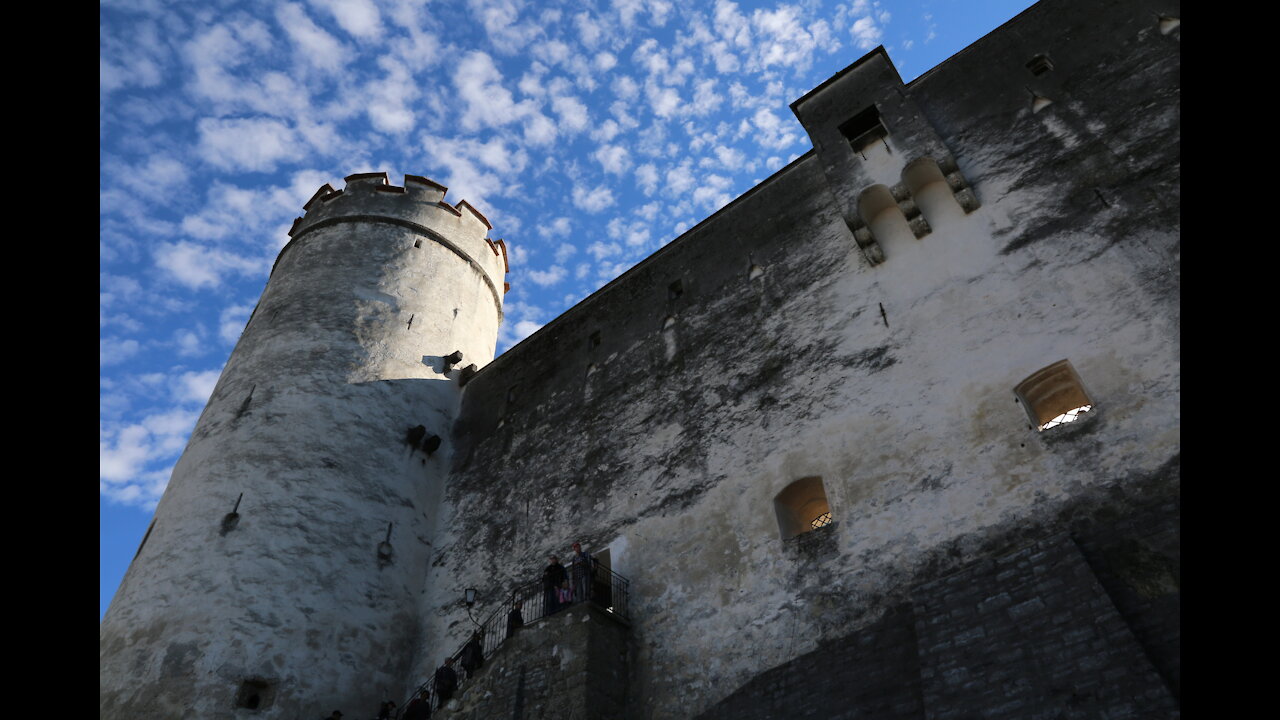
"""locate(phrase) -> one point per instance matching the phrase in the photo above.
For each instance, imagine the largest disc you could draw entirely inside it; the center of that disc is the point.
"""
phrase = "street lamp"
(469, 597)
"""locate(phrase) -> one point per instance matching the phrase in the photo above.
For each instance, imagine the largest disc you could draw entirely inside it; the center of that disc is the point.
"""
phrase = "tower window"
(802, 507)
(1039, 65)
(864, 128)
(1053, 396)
(675, 290)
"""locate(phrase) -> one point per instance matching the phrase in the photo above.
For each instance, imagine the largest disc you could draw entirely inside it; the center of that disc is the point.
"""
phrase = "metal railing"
(599, 585)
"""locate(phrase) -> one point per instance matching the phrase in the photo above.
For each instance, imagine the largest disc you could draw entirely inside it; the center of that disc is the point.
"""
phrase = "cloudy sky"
(590, 133)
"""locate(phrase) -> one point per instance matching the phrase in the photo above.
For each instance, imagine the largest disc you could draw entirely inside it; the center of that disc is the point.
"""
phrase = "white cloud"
(590, 30)
(680, 180)
(500, 19)
(634, 234)
(317, 47)
(647, 178)
(486, 102)
(613, 158)
(197, 266)
(649, 211)
(573, 114)
(604, 61)
(730, 158)
(390, 100)
(113, 351)
(359, 18)
(552, 52)
(712, 192)
(773, 134)
(865, 32)
(592, 200)
(128, 455)
(188, 343)
(664, 101)
(625, 88)
(255, 144)
(539, 130)
(476, 170)
(601, 250)
(231, 322)
(565, 251)
(195, 387)
(551, 276)
(705, 98)
(556, 228)
(606, 131)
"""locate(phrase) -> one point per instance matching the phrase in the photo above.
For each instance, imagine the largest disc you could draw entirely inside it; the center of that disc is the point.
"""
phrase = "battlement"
(419, 204)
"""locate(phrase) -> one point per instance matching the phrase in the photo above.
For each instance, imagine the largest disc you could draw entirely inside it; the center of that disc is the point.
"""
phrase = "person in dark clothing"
(418, 708)
(582, 572)
(551, 579)
(386, 710)
(446, 681)
(515, 618)
(472, 655)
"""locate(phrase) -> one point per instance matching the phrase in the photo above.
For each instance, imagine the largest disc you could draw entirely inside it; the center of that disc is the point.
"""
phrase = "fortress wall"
(671, 452)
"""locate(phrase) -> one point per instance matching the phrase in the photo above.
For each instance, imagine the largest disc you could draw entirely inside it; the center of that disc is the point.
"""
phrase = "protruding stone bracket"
(468, 372)
(231, 519)
(385, 551)
(907, 203)
(871, 250)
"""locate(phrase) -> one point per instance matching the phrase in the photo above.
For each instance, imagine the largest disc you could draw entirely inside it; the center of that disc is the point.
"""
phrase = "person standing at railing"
(446, 681)
(472, 655)
(418, 708)
(582, 570)
(552, 577)
(515, 619)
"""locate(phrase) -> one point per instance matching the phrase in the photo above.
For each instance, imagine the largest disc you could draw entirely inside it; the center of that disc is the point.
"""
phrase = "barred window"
(802, 507)
(1053, 396)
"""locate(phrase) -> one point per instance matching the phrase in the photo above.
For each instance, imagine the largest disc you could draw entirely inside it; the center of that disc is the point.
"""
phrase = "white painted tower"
(330, 428)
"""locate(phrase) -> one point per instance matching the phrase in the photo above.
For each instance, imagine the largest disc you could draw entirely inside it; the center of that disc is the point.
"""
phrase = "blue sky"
(589, 133)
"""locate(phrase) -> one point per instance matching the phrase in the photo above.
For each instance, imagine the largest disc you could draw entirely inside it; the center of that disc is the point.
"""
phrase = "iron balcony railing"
(599, 585)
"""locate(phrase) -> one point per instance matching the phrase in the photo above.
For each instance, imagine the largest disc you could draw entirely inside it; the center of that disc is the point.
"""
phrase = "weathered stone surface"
(658, 427)
(572, 665)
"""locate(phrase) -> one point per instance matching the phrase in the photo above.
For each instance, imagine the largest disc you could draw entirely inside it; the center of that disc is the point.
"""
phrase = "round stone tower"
(281, 574)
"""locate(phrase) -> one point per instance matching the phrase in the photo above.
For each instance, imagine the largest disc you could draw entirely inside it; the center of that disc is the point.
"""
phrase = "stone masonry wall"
(660, 418)
(1027, 634)
(570, 666)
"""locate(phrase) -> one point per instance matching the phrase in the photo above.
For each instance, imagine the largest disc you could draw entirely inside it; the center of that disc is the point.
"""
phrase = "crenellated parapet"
(420, 206)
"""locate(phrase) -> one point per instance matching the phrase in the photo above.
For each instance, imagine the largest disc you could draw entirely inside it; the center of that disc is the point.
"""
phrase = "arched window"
(802, 507)
(931, 192)
(888, 225)
(1053, 395)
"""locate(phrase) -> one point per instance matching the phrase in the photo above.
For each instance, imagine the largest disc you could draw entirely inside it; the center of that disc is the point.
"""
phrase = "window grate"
(822, 520)
(1066, 417)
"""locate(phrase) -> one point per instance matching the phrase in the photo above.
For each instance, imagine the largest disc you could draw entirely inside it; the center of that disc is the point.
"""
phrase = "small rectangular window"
(864, 128)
